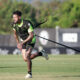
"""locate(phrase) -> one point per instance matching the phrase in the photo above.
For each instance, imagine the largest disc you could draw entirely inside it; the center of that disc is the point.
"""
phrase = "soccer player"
(25, 38)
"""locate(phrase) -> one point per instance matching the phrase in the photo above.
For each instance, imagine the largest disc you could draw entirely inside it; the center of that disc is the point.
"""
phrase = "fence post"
(57, 35)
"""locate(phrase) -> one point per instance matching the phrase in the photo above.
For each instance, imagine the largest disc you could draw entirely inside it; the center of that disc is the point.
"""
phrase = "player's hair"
(19, 13)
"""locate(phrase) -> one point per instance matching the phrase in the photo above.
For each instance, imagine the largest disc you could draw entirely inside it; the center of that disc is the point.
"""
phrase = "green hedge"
(58, 14)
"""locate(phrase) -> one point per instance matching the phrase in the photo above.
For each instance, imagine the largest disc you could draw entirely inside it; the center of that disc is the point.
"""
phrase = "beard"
(15, 22)
(18, 21)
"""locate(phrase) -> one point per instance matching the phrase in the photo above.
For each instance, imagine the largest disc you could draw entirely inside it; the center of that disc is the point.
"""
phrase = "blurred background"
(63, 24)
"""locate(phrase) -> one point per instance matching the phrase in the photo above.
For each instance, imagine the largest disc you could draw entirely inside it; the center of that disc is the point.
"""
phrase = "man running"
(25, 38)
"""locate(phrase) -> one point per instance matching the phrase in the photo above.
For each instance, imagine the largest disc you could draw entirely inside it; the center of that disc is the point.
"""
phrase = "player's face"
(16, 18)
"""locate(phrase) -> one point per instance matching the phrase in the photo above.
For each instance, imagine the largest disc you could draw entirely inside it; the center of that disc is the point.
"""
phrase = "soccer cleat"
(28, 76)
(45, 55)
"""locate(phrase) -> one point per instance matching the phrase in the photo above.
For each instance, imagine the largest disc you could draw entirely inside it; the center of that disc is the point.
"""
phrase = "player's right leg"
(44, 54)
(37, 54)
(41, 53)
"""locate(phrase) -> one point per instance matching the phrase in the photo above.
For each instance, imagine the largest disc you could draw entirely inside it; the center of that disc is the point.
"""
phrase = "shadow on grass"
(69, 76)
(6, 67)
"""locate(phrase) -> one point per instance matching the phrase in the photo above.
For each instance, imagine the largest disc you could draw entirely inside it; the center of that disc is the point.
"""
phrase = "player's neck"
(19, 22)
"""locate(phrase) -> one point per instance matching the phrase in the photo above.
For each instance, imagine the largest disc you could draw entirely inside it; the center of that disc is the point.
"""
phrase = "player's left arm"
(31, 34)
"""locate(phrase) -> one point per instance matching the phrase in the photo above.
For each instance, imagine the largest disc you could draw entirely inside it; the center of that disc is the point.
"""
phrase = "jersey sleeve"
(30, 29)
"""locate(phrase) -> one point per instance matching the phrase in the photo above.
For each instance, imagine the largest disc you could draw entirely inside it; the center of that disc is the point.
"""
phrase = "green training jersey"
(24, 29)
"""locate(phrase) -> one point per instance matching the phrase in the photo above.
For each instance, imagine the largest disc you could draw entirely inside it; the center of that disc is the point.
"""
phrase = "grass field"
(58, 67)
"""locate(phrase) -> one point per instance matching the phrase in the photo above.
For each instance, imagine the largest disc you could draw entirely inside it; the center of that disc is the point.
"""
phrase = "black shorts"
(27, 46)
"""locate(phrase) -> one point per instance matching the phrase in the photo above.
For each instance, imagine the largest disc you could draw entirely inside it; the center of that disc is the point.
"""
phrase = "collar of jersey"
(20, 25)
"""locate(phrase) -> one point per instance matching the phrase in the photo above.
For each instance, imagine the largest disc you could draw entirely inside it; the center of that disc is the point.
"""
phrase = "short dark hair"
(19, 13)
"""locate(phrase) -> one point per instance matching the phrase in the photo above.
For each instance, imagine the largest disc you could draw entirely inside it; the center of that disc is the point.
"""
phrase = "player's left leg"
(26, 56)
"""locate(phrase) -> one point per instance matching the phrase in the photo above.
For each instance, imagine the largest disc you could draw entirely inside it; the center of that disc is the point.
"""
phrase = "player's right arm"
(19, 46)
(16, 37)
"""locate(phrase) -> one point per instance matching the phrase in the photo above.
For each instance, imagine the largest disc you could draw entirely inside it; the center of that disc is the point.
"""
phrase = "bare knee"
(27, 58)
(26, 55)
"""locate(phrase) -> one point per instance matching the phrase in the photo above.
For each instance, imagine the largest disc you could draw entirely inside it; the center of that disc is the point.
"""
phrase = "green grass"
(58, 67)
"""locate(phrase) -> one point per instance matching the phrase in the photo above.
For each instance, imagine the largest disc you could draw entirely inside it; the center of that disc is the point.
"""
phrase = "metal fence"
(69, 37)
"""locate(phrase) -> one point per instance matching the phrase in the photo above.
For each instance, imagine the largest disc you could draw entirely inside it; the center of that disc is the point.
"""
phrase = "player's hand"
(19, 46)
